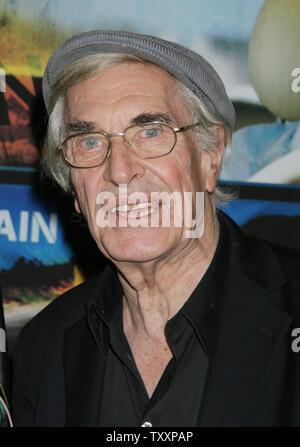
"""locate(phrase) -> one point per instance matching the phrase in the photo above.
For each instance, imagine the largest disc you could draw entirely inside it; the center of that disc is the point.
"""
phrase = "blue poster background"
(30, 227)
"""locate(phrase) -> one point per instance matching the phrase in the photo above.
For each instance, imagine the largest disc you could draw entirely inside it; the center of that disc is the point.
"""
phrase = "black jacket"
(253, 377)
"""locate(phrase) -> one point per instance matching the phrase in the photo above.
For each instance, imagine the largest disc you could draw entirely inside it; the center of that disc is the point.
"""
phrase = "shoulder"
(289, 259)
(268, 265)
(61, 313)
(38, 357)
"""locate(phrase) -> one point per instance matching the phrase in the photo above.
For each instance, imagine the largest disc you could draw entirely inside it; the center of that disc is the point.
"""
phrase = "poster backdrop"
(45, 247)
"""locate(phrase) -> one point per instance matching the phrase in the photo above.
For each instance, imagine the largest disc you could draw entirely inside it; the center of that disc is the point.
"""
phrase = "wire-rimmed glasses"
(149, 140)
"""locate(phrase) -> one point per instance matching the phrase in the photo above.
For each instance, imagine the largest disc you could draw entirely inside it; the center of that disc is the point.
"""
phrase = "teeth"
(134, 207)
(141, 213)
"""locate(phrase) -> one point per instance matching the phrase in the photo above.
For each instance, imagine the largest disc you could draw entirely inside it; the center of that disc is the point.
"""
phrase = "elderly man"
(183, 328)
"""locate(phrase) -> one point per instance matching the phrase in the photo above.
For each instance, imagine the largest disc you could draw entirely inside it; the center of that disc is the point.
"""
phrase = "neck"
(154, 291)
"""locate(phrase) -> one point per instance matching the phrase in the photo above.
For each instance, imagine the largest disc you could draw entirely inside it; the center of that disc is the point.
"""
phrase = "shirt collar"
(202, 305)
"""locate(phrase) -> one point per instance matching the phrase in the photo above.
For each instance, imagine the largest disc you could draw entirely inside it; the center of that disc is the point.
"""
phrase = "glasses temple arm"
(182, 129)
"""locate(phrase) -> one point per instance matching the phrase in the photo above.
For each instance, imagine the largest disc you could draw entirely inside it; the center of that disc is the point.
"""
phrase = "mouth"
(135, 210)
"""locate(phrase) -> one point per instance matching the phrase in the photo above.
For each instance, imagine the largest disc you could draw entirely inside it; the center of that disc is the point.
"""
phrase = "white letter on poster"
(38, 223)
(6, 226)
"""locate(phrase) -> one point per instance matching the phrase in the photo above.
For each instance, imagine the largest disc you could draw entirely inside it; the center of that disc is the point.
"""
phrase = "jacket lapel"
(250, 324)
(85, 352)
(84, 367)
(250, 332)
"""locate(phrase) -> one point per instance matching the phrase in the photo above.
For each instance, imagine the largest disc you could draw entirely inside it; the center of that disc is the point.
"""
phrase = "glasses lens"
(150, 140)
(86, 150)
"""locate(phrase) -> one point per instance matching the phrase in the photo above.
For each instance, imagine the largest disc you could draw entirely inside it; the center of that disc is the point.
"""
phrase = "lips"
(136, 210)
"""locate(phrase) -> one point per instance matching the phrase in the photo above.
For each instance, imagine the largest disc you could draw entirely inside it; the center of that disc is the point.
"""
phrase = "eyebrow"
(79, 127)
(88, 126)
(149, 117)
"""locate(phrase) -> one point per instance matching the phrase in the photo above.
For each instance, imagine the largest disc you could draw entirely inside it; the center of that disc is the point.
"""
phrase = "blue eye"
(150, 133)
(91, 142)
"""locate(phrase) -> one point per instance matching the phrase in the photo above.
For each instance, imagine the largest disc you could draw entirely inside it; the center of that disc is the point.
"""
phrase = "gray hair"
(52, 162)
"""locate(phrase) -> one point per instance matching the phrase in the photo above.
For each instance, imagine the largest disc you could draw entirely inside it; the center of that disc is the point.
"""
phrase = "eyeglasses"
(149, 140)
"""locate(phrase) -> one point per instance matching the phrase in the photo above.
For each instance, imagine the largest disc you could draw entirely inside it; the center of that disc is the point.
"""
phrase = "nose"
(121, 165)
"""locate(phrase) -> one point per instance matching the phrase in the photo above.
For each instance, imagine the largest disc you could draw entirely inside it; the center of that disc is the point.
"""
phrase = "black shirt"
(177, 397)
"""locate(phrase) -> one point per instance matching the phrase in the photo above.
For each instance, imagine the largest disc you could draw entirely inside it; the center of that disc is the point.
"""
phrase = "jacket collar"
(251, 257)
(84, 355)
(250, 323)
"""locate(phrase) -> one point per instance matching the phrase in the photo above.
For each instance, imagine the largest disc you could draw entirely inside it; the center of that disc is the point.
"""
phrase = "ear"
(215, 161)
(76, 206)
(76, 203)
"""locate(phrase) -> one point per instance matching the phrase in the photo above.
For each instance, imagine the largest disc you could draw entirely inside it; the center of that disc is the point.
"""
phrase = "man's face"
(112, 101)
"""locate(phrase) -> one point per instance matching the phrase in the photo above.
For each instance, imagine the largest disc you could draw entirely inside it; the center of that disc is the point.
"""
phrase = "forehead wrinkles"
(134, 88)
(128, 85)
(120, 72)
(125, 78)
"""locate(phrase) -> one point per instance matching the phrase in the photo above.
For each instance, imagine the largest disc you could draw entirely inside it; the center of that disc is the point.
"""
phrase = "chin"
(136, 244)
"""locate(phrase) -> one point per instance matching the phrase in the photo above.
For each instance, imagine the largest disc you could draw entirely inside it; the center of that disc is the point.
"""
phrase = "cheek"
(169, 174)
(85, 185)
(185, 169)
(193, 164)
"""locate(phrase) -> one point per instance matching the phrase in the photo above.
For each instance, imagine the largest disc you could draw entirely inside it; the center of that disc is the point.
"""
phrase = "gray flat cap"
(186, 65)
